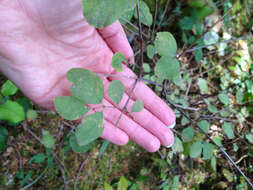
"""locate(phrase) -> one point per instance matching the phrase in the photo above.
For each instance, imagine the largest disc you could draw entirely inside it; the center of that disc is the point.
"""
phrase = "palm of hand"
(42, 40)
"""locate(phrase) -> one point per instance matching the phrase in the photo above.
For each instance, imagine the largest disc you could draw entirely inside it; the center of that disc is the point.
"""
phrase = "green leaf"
(175, 182)
(26, 178)
(224, 99)
(228, 129)
(203, 86)
(90, 129)
(186, 23)
(177, 146)
(107, 186)
(137, 106)
(38, 158)
(197, 3)
(146, 17)
(3, 138)
(167, 68)
(213, 163)
(146, 68)
(212, 108)
(116, 91)
(165, 44)
(196, 149)
(187, 134)
(204, 11)
(69, 107)
(127, 16)
(103, 13)
(239, 96)
(208, 149)
(198, 56)
(86, 86)
(218, 140)
(9, 88)
(235, 147)
(31, 114)
(204, 125)
(249, 137)
(47, 139)
(150, 51)
(12, 112)
(184, 121)
(122, 185)
(117, 60)
(103, 148)
(76, 148)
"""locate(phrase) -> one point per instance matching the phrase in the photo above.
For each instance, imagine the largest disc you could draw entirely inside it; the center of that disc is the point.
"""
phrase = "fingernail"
(172, 125)
(170, 145)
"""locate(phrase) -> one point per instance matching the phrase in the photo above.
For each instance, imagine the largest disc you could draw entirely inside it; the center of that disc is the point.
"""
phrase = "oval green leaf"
(202, 83)
(90, 129)
(116, 91)
(224, 98)
(76, 148)
(87, 86)
(123, 184)
(9, 88)
(165, 44)
(117, 60)
(208, 149)
(204, 125)
(103, 13)
(187, 134)
(150, 51)
(69, 107)
(196, 149)
(146, 17)
(137, 106)
(177, 146)
(47, 139)
(167, 68)
(12, 112)
(228, 129)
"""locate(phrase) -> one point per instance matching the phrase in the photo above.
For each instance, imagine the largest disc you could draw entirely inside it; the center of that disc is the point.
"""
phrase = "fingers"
(147, 120)
(135, 132)
(113, 134)
(150, 100)
(116, 39)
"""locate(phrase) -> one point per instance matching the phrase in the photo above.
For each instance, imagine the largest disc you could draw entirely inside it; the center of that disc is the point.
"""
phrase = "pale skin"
(41, 40)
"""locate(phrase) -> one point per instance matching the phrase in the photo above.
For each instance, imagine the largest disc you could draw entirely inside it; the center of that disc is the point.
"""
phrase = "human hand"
(41, 40)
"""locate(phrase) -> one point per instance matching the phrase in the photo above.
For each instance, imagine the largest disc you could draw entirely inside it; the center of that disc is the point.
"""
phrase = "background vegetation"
(214, 92)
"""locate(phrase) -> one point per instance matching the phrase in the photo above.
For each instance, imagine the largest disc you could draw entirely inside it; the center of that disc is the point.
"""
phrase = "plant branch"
(79, 171)
(219, 147)
(141, 39)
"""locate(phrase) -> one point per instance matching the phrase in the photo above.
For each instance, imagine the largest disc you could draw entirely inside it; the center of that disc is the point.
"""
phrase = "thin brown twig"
(156, 10)
(79, 171)
(141, 66)
(127, 102)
